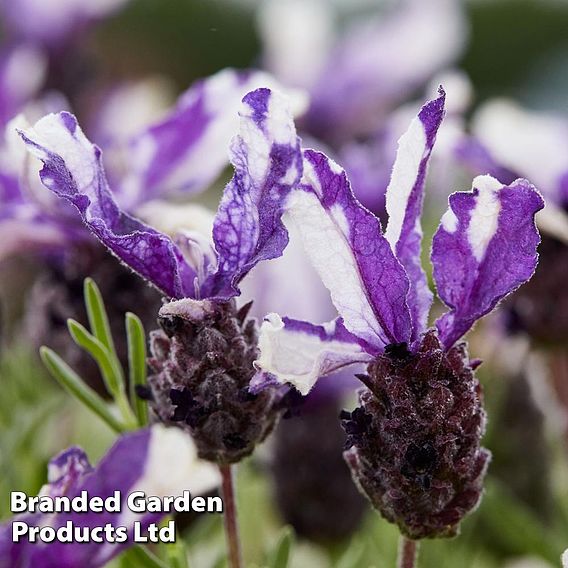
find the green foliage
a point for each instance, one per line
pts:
(98, 342)
(76, 387)
(136, 363)
(280, 556)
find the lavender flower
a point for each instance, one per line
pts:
(415, 439)
(182, 152)
(202, 358)
(139, 461)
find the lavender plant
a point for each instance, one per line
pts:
(202, 357)
(415, 437)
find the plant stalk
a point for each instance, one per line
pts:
(407, 553)
(230, 516)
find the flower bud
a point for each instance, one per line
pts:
(202, 364)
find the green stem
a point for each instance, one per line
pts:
(230, 516)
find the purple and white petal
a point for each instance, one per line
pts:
(484, 249)
(187, 150)
(73, 170)
(158, 461)
(298, 353)
(66, 471)
(28, 221)
(267, 159)
(404, 199)
(345, 244)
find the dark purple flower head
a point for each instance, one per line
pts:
(484, 248)
(139, 461)
(414, 442)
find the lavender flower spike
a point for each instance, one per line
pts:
(140, 461)
(421, 407)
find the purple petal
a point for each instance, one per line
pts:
(484, 249)
(66, 471)
(73, 170)
(187, 150)
(267, 159)
(345, 243)
(298, 352)
(405, 195)
(157, 461)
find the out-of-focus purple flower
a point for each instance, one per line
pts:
(22, 72)
(370, 69)
(485, 247)
(186, 150)
(51, 23)
(140, 461)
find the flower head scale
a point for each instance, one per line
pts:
(484, 248)
(414, 440)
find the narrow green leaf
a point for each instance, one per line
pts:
(280, 556)
(136, 364)
(73, 383)
(112, 374)
(96, 312)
